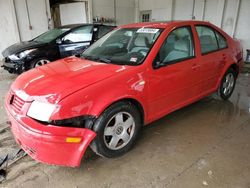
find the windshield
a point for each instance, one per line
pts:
(127, 46)
(50, 35)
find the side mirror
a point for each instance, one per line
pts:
(58, 41)
(158, 63)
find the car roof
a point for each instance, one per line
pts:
(72, 26)
(163, 24)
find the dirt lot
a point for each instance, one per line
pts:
(206, 144)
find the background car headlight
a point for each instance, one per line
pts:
(41, 111)
(20, 55)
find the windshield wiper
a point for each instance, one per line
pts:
(100, 59)
(88, 57)
(104, 60)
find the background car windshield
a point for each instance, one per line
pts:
(127, 46)
(50, 35)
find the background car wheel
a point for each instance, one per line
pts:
(117, 129)
(227, 84)
(39, 62)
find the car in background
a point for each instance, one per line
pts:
(52, 45)
(131, 77)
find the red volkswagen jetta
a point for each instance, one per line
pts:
(132, 76)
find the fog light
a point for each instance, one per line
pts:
(73, 140)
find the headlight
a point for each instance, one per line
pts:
(41, 111)
(20, 55)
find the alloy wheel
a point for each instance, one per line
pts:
(119, 130)
(41, 62)
(228, 84)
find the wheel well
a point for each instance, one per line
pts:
(136, 104)
(235, 68)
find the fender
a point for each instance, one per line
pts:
(94, 99)
(224, 72)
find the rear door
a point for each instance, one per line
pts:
(176, 83)
(214, 54)
(76, 41)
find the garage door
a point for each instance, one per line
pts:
(72, 13)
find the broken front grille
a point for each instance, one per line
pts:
(6, 59)
(16, 103)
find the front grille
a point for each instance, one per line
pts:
(7, 60)
(16, 103)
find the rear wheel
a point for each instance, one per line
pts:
(117, 129)
(227, 84)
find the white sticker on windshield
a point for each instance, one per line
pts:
(133, 59)
(147, 30)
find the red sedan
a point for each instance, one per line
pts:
(132, 76)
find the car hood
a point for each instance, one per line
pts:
(20, 47)
(55, 81)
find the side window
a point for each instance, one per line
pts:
(82, 34)
(221, 40)
(103, 30)
(207, 38)
(178, 46)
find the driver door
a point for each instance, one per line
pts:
(174, 81)
(76, 41)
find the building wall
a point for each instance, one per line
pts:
(125, 11)
(14, 22)
(219, 12)
(182, 10)
(103, 8)
(34, 15)
(122, 11)
(8, 31)
(161, 9)
(243, 25)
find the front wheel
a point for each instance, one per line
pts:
(39, 62)
(227, 84)
(117, 129)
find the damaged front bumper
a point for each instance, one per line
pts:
(51, 144)
(15, 67)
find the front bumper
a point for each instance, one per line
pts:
(13, 66)
(47, 143)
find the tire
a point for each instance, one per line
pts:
(117, 129)
(227, 84)
(39, 62)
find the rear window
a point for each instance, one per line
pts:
(208, 40)
(221, 40)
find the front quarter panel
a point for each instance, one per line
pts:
(93, 100)
(50, 52)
